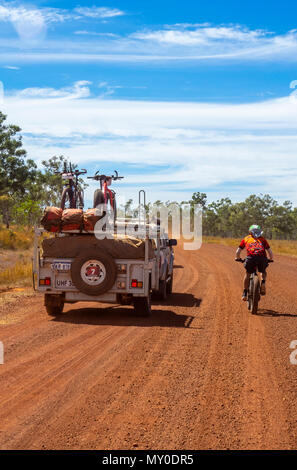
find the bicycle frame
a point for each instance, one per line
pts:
(71, 186)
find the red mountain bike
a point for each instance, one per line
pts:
(104, 195)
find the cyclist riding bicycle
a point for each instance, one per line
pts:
(256, 246)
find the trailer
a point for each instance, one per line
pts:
(75, 266)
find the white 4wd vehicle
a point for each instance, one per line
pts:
(74, 267)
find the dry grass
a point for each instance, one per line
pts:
(20, 273)
(280, 247)
(15, 256)
(16, 238)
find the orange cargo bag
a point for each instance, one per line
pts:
(52, 219)
(91, 216)
(72, 219)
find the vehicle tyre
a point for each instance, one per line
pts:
(163, 289)
(54, 304)
(68, 196)
(169, 285)
(143, 305)
(256, 295)
(93, 273)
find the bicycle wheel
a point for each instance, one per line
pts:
(114, 203)
(68, 200)
(250, 293)
(98, 198)
(256, 295)
(80, 199)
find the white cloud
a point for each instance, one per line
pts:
(201, 35)
(78, 90)
(11, 67)
(178, 44)
(177, 146)
(98, 12)
(95, 33)
(31, 22)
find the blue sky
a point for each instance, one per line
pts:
(178, 96)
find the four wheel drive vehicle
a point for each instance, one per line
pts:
(76, 266)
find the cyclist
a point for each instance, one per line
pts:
(256, 246)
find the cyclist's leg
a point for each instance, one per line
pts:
(250, 268)
(262, 265)
(246, 281)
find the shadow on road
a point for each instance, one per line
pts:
(179, 300)
(272, 313)
(124, 316)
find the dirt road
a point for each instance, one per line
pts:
(201, 373)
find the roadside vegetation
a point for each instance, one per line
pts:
(279, 247)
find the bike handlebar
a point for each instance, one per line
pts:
(99, 177)
(72, 172)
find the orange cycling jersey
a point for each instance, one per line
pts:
(255, 246)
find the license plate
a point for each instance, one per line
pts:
(61, 266)
(64, 284)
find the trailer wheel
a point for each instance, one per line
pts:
(142, 306)
(93, 273)
(54, 304)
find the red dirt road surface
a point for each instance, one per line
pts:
(201, 373)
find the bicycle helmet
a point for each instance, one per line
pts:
(256, 231)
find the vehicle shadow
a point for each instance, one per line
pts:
(178, 266)
(124, 316)
(272, 313)
(178, 300)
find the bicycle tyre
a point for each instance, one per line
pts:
(98, 198)
(80, 199)
(250, 294)
(256, 295)
(68, 194)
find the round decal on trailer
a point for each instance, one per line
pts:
(93, 272)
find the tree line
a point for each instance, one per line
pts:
(25, 190)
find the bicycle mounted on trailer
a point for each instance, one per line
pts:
(256, 246)
(72, 194)
(104, 195)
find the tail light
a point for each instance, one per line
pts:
(135, 283)
(45, 282)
